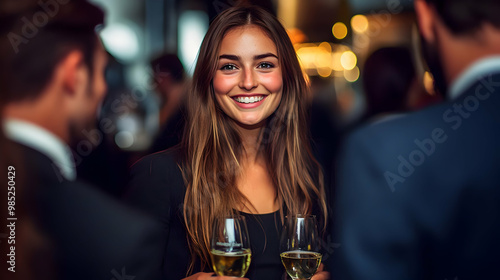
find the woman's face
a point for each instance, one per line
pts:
(248, 82)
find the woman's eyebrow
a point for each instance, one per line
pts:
(256, 57)
(265, 55)
(229, 56)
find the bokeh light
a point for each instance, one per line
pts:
(359, 23)
(124, 139)
(348, 60)
(296, 35)
(326, 46)
(192, 27)
(323, 56)
(339, 30)
(336, 64)
(121, 40)
(324, 71)
(352, 75)
(429, 83)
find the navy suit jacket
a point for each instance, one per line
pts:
(419, 196)
(91, 236)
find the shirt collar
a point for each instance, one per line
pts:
(44, 141)
(471, 75)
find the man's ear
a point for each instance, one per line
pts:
(71, 71)
(425, 19)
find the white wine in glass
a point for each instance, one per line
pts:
(230, 247)
(300, 247)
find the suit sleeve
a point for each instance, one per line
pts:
(373, 223)
(96, 237)
(150, 192)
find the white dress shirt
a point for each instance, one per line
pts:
(43, 141)
(472, 74)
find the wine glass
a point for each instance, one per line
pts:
(230, 246)
(300, 246)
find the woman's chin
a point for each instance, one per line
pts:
(251, 123)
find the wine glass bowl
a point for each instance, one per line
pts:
(300, 246)
(230, 247)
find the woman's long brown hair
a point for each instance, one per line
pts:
(213, 147)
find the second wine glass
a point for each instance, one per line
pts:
(300, 246)
(230, 247)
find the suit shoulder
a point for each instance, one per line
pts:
(156, 184)
(158, 168)
(169, 158)
(396, 129)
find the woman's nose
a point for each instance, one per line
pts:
(248, 80)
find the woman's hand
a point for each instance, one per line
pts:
(320, 274)
(209, 276)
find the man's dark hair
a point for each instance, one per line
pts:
(35, 36)
(387, 77)
(466, 16)
(168, 65)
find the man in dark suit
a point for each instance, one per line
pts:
(419, 196)
(55, 65)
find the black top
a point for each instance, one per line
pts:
(157, 187)
(264, 231)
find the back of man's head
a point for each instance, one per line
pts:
(388, 75)
(467, 16)
(36, 35)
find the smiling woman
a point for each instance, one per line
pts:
(245, 149)
(248, 82)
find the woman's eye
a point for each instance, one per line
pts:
(266, 65)
(228, 67)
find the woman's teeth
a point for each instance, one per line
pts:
(248, 100)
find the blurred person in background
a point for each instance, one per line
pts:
(323, 125)
(169, 78)
(105, 165)
(23, 245)
(388, 77)
(419, 195)
(52, 86)
(391, 85)
(29, 252)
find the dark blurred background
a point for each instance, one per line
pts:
(333, 39)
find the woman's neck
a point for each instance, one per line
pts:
(255, 181)
(251, 139)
